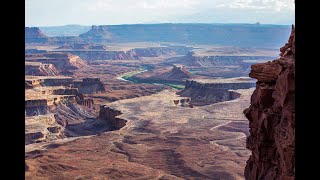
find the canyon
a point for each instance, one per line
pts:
(154, 143)
(156, 101)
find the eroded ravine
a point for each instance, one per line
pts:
(159, 139)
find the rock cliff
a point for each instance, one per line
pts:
(108, 114)
(40, 69)
(158, 51)
(53, 63)
(204, 93)
(272, 117)
(85, 46)
(97, 34)
(89, 85)
(91, 55)
(34, 35)
(178, 73)
(186, 33)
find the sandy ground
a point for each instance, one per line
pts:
(160, 141)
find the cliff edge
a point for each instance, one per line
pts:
(272, 117)
(34, 35)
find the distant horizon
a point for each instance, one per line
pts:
(159, 23)
(42, 13)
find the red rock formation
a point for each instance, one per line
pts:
(208, 93)
(40, 69)
(97, 34)
(272, 117)
(110, 115)
(90, 55)
(177, 72)
(34, 35)
(62, 62)
(85, 46)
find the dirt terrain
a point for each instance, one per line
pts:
(202, 142)
(100, 110)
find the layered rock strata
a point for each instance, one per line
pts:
(272, 117)
(108, 114)
(53, 63)
(91, 55)
(34, 35)
(212, 91)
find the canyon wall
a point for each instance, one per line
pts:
(84, 46)
(89, 86)
(270, 36)
(108, 114)
(52, 63)
(177, 73)
(97, 34)
(42, 128)
(90, 55)
(63, 81)
(63, 60)
(272, 117)
(34, 35)
(40, 69)
(91, 52)
(190, 59)
(265, 36)
(158, 51)
(209, 93)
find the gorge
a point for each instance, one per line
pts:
(159, 101)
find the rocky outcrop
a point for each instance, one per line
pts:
(97, 34)
(33, 137)
(56, 81)
(272, 117)
(91, 52)
(177, 72)
(62, 40)
(40, 69)
(91, 55)
(89, 86)
(68, 91)
(209, 93)
(177, 76)
(65, 60)
(190, 59)
(84, 46)
(34, 35)
(61, 62)
(42, 128)
(108, 114)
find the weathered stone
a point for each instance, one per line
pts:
(272, 118)
(265, 71)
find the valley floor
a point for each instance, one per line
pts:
(160, 141)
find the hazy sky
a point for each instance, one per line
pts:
(104, 12)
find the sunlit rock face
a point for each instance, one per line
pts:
(272, 117)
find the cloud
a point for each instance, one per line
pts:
(161, 4)
(270, 5)
(139, 5)
(49, 12)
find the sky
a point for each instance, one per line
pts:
(110, 12)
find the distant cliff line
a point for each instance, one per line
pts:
(242, 35)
